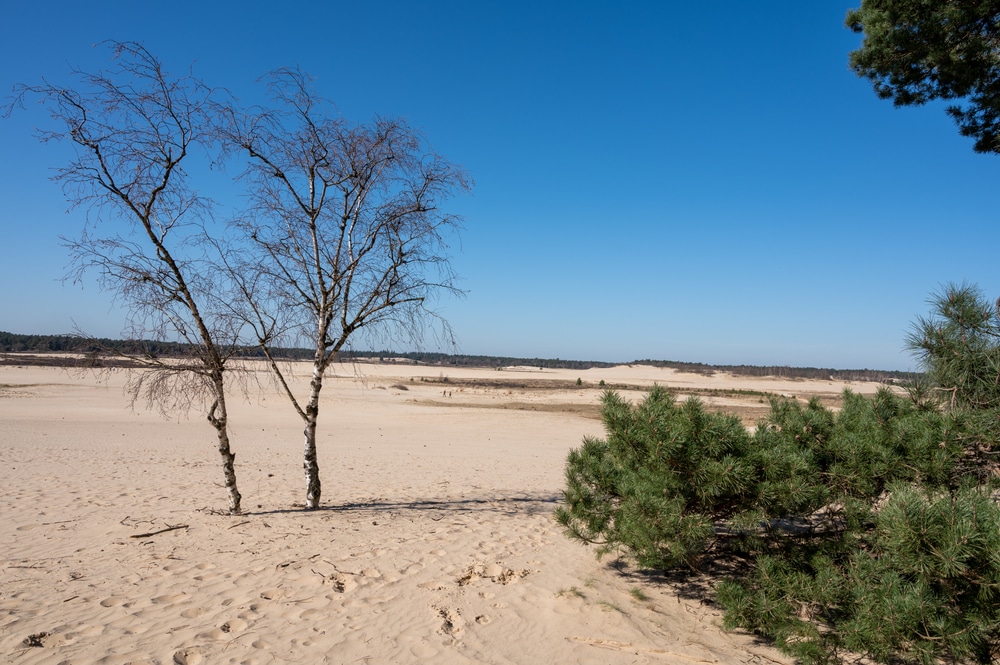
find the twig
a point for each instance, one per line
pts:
(153, 533)
(240, 524)
(345, 572)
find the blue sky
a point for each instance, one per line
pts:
(704, 182)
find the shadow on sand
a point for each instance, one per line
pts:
(521, 503)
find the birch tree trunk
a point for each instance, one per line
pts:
(310, 462)
(311, 465)
(219, 418)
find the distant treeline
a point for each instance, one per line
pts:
(13, 343)
(462, 360)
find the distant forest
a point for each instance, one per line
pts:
(97, 351)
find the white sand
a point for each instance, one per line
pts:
(436, 543)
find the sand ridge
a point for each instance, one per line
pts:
(436, 542)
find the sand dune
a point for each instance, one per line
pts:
(436, 543)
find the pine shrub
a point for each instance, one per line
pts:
(857, 531)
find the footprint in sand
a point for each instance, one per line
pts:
(213, 634)
(313, 614)
(494, 572)
(342, 583)
(234, 626)
(453, 621)
(188, 657)
(270, 594)
(168, 599)
(411, 569)
(424, 652)
(89, 630)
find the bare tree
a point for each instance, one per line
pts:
(346, 231)
(133, 129)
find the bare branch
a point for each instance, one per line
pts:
(133, 127)
(348, 223)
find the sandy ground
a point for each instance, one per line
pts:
(436, 542)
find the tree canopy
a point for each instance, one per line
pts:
(916, 51)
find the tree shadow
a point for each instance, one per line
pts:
(693, 585)
(521, 504)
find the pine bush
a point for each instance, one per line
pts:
(859, 531)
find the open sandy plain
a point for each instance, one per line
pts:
(436, 542)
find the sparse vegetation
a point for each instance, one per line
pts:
(610, 607)
(572, 591)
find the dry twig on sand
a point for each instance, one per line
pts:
(153, 533)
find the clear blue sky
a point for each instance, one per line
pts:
(675, 180)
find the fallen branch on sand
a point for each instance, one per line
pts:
(153, 533)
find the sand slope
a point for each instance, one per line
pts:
(436, 543)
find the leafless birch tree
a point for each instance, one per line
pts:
(133, 129)
(346, 231)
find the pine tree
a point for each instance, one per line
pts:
(872, 530)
